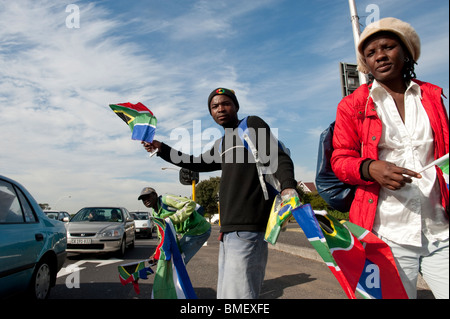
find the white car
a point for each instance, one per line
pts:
(58, 215)
(144, 224)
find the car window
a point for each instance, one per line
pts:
(98, 214)
(10, 211)
(115, 215)
(126, 215)
(52, 215)
(13, 208)
(28, 212)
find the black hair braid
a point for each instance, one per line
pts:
(408, 69)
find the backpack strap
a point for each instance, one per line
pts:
(264, 179)
(259, 165)
(242, 127)
(249, 145)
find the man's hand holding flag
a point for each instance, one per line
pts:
(140, 120)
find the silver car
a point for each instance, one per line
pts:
(101, 230)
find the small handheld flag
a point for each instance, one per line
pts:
(279, 215)
(132, 272)
(442, 163)
(139, 118)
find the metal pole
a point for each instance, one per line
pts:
(193, 190)
(356, 34)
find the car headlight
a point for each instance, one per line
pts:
(110, 233)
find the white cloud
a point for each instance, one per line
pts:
(56, 84)
(55, 90)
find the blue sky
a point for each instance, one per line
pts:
(60, 139)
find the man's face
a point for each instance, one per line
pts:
(149, 200)
(223, 111)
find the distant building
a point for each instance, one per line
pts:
(307, 187)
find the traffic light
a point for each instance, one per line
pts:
(349, 78)
(188, 176)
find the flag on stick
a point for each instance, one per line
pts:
(358, 259)
(171, 278)
(139, 118)
(443, 164)
(132, 272)
(279, 216)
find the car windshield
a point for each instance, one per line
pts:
(98, 214)
(142, 216)
(52, 215)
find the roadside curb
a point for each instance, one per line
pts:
(304, 252)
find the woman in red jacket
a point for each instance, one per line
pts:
(384, 134)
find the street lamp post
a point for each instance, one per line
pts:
(356, 34)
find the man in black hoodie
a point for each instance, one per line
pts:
(244, 207)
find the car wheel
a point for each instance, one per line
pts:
(131, 246)
(123, 246)
(41, 280)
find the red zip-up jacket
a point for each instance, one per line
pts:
(357, 133)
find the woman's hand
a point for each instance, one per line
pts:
(391, 176)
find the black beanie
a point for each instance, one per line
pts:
(220, 91)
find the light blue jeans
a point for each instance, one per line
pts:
(190, 245)
(242, 265)
(431, 261)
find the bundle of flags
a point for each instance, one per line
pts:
(171, 278)
(139, 118)
(279, 216)
(358, 259)
(132, 272)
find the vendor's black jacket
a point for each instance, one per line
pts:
(242, 203)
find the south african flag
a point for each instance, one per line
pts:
(139, 118)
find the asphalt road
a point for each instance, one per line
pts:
(287, 276)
